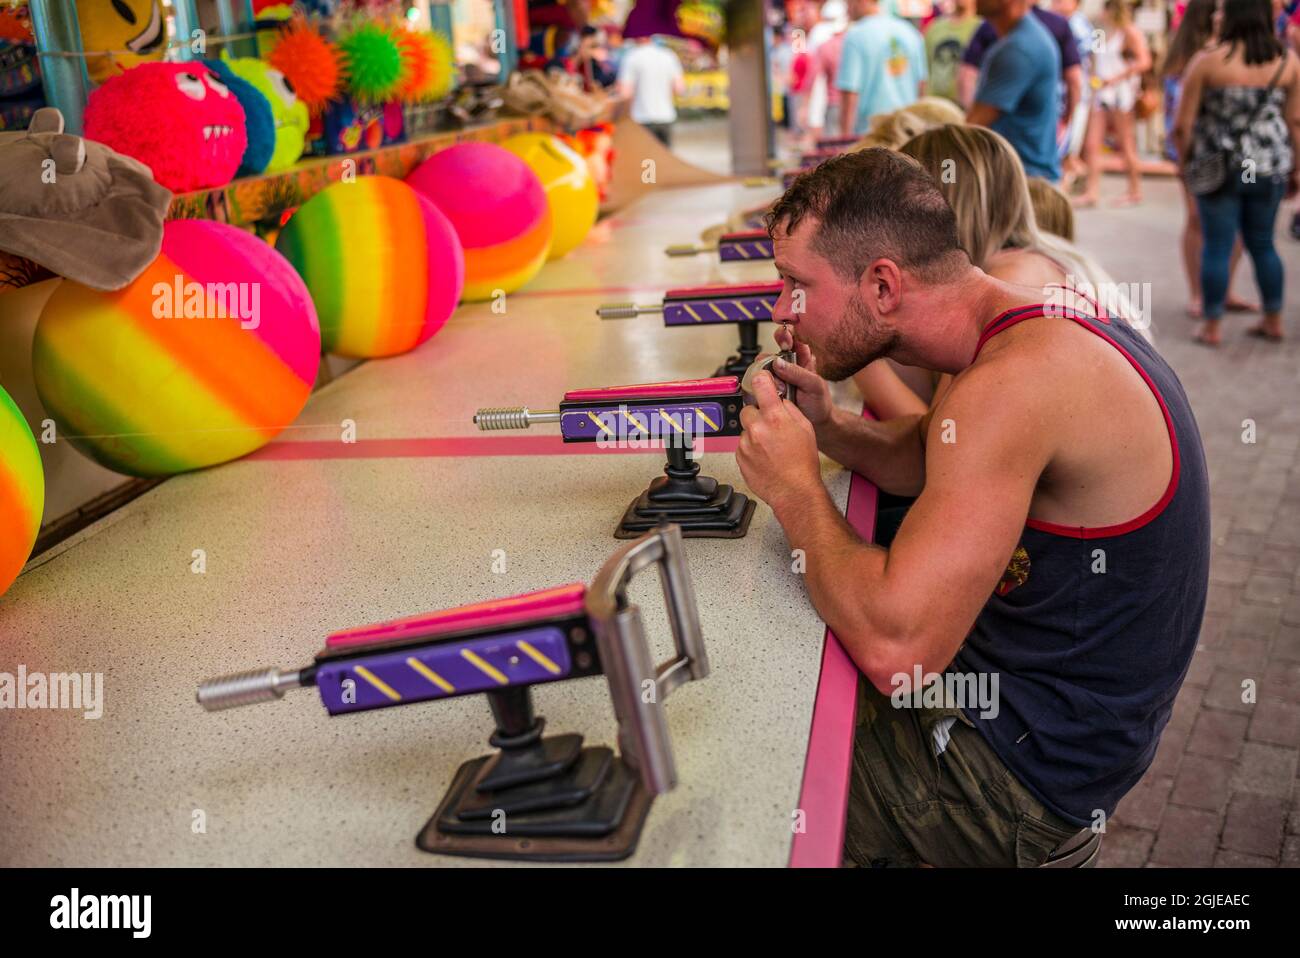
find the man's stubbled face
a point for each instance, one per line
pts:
(825, 309)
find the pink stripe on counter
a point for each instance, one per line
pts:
(825, 792)
(469, 447)
(562, 600)
(718, 386)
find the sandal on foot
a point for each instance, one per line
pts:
(1259, 332)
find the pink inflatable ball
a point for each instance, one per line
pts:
(499, 210)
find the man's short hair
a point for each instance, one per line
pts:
(874, 203)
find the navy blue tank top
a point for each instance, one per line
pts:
(1089, 661)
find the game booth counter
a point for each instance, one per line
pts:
(202, 510)
(256, 562)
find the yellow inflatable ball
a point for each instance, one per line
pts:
(132, 31)
(570, 190)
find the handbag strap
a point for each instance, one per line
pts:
(1263, 101)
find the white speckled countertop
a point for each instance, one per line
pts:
(298, 549)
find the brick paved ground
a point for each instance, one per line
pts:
(1223, 789)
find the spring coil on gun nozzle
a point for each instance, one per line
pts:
(619, 311)
(502, 417)
(245, 688)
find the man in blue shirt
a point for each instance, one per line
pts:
(882, 66)
(1073, 70)
(1018, 94)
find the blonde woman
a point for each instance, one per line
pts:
(1117, 69)
(890, 130)
(1052, 209)
(984, 182)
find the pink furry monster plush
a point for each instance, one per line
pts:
(178, 119)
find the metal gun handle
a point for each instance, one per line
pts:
(764, 364)
(636, 686)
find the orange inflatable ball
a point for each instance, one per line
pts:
(570, 190)
(498, 208)
(22, 491)
(205, 356)
(384, 267)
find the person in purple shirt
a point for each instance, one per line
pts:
(1071, 67)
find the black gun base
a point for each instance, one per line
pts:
(724, 516)
(592, 811)
(702, 506)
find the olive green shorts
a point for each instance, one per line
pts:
(963, 807)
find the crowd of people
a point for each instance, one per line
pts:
(1057, 87)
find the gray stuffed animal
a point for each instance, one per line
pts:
(76, 207)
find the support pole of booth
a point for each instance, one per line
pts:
(440, 21)
(507, 29)
(440, 18)
(235, 17)
(54, 22)
(187, 26)
(752, 137)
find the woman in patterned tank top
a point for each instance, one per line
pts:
(1195, 31)
(1242, 96)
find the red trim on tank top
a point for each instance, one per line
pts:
(1099, 314)
(1009, 318)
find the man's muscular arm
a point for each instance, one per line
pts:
(891, 453)
(915, 602)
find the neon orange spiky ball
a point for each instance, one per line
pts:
(313, 65)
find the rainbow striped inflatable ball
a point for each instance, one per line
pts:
(570, 189)
(499, 209)
(203, 358)
(22, 491)
(384, 267)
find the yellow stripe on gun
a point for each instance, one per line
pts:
(538, 657)
(741, 306)
(377, 682)
(717, 309)
(700, 413)
(694, 315)
(485, 667)
(605, 429)
(431, 675)
(629, 418)
(672, 422)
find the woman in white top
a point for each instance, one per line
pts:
(1120, 57)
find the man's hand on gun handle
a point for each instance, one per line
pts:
(777, 453)
(813, 394)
